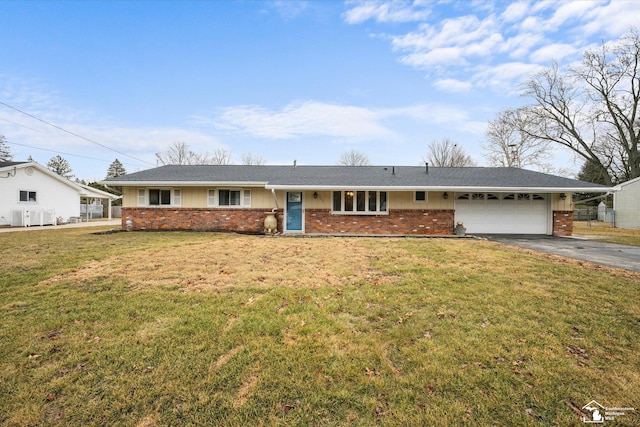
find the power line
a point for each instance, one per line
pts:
(57, 152)
(74, 134)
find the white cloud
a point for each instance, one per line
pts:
(453, 85)
(552, 52)
(614, 18)
(520, 45)
(446, 56)
(303, 119)
(502, 76)
(515, 11)
(385, 11)
(496, 44)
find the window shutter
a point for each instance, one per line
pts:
(211, 198)
(247, 199)
(142, 197)
(177, 197)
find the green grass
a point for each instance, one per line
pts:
(605, 232)
(146, 329)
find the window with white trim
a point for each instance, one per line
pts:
(420, 196)
(223, 197)
(359, 202)
(27, 196)
(159, 197)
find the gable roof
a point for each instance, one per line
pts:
(624, 184)
(83, 190)
(356, 177)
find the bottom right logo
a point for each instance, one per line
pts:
(595, 413)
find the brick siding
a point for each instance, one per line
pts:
(398, 221)
(238, 220)
(321, 221)
(562, 223)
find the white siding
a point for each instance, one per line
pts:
(50, 194)
(626, 204)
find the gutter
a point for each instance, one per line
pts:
(458, 189)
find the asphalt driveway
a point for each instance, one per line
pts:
(609, 254)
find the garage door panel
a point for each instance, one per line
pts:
(509, 214)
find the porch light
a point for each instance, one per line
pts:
(445, 195)
(563, 196)
(315, 194)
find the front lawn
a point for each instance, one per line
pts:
(145, 329)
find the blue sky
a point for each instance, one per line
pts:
(285, 80)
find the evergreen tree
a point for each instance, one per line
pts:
(116, 169)
(60, 166)
(5, 151)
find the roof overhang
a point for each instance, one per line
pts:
(459, 189)
(183, 183)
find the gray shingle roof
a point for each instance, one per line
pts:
(401, 177)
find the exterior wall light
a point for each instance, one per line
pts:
(315, 194)
(563, 196)
(445, 195)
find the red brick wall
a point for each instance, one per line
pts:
(398, 221)
(562, 223)
(239, 220)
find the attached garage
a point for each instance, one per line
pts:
(504, 213)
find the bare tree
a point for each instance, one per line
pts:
(447, 153)
(593, 108)
(509, 142)
(179, 153)
(221, 156)
(248, 158)
(353, 157)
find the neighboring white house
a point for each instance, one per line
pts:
(626, 204)
(31, 194)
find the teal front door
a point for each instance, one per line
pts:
(294, 211)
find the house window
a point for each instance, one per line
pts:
(420, 196)
(230, 198)
(159, 197)
(359, 202)
(27, 196)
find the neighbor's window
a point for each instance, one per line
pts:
(420, 196)
(359, 202)
(27, 196)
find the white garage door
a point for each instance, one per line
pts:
(503, 213)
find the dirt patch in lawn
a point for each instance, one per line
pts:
(237, 262)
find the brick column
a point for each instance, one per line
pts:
(562, 223)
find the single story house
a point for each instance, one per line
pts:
(377, 200)
(31, 194)
(626, 204)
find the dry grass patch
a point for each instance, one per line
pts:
(243, 262)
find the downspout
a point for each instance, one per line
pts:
(275, 198)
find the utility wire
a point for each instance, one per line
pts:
(57, 152)
(74, 134)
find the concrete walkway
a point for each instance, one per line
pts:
(115, 223)
(595, 251)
